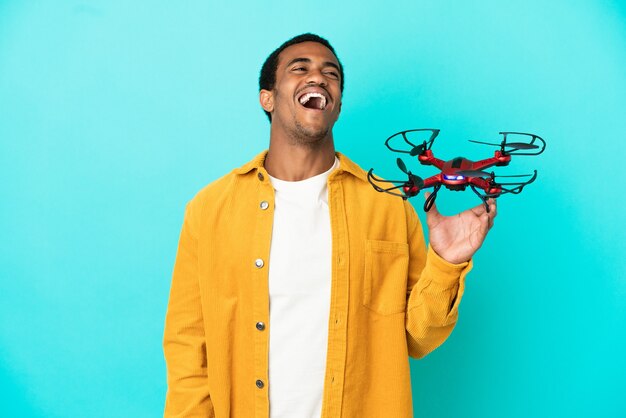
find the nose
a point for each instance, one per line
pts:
(316, 77)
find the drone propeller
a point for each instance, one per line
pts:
(409, 187)
(413, 179)
(517, 175)
(418, 149)
(415, 149)
(517, 145)
(474, 173)
(513, 148)
(480, 173)
(402, 166)
(519, 185)
(516, 189)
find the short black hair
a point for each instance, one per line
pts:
(267, 78)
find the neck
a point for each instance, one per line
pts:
(295, 161)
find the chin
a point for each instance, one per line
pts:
(310, 133)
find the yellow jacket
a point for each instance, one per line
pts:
(390, 298)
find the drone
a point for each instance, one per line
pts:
(458, 173)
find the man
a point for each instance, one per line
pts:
(298, 290)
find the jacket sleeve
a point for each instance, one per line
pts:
(184, 342)
(434, 291)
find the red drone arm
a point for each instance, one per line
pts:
(432, 181)
(427, 158)
(498, 159)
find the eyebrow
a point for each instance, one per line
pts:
(308, 61)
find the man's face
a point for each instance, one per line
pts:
(306, 98)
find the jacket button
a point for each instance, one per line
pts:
(259, 263)
(261, 176)
(264, 205)
(260, 326)
(260, 384)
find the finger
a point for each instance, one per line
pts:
(485, 224)
(492, 211)
(494, 207)
(479, 210)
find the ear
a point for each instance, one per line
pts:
(266, 98)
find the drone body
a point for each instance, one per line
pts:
(458, 173)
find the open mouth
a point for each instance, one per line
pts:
(313, 100)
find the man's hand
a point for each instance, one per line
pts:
(456, 238)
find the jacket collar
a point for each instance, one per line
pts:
(345, 164)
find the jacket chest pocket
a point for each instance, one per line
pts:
(386, 271)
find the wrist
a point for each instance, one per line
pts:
(450, 256)
(447, 273)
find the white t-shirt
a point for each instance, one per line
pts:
(299, 287)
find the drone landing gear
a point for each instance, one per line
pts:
(430, 200)
(482, 197)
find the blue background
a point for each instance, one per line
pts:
(114, 113)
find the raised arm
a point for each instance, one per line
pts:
(434, 291)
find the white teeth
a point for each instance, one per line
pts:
(306, 97)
